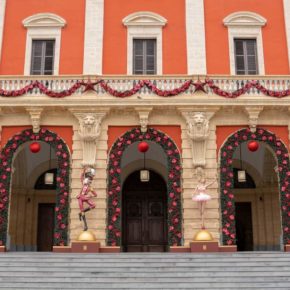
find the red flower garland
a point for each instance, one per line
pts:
(173, 186)
(226, 180)
(62, 202)
(162, 93)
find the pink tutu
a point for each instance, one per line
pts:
(201, 197)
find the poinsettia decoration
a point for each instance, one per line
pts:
(199, 86)
(62, 191)
(174, 215)
(227, 182)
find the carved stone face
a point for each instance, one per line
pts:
(89, 120)
(199, 118)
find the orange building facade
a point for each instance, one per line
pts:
(204, 84)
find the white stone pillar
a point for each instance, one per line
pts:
(2, 18)
(287, 25)
(94, 30)
(195, 37)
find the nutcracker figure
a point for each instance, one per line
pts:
(86, 194)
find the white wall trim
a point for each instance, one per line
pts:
(144, 25)
(195, 37)
(43, 26)
(94, 30)
(287, 25)
(245, 25)
(2, 19)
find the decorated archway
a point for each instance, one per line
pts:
(174, 214)
(63, 172)
(226, 180)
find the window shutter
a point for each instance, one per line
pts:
(42, 57)
(144, 54)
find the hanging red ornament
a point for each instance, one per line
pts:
(253, 146)
(35, 147)
(143, 147)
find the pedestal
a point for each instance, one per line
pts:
(204, 246)
(85, 247)
(2, 249)
(287, 248)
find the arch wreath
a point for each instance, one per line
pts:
(226, 180)
(173, 186)
(63, 158)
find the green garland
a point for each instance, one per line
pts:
(63, 172)
(173, 186)
(226, 182)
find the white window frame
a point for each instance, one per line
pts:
(245, 25)
(144, 25)
(43, 26)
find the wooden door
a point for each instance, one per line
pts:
(45, 227)
(244, 226)
(144, 215)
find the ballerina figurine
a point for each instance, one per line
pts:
(202, 197)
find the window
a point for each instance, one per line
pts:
(144, 56)
(43, 42)
(42, 58)
(246, 42)
(146, 27)
(246, 56)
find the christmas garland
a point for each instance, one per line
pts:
(226, 182)
(114, 184)
(62, 191)
(198, 86)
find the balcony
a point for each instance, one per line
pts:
(144, 90)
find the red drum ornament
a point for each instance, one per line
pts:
(143, 147)
(253, 146)
(34, 147)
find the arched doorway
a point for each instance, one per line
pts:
(264, 201)
(144, 206)
(171, 172)
(19, 167)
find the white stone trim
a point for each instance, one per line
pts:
(245, 25)
(287, 25)
(195, 37)
(2, 18)
(94, 30)
(144, 25)
(43, 26)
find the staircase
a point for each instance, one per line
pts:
(255, 270)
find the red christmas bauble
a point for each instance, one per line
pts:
(143, 147)
(253, 146)
(35, 147)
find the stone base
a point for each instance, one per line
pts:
(2, 249)
(287, 248)
(228, 249)
(61, 249)
(204, 246)
(85, 247)
(110, 249)
(179, 249)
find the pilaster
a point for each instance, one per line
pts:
(2, 19)
(94, 30)
(195, 37)
(287, 25)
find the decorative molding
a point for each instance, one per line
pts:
(253, 113)
(94, 32)
(197, 123)
(244, 18)
(287, 25)
(89, 131)
(43, 26)
(2, 19)
(144, 18)
(144, 25)
(144, 118)
(35, 116)
(245, 25)
(44, 20)
(195, 37)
